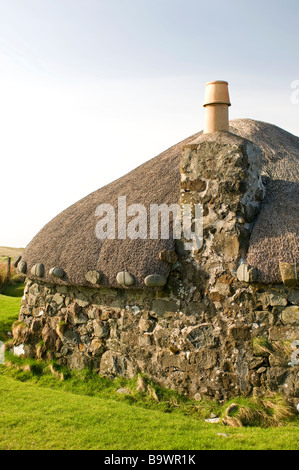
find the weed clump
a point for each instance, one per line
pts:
(263, 412)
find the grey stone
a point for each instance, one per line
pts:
(147, 323)
(288, 274)
(125, 279)
(212, 420)
(22, 267)
(93, 277)
(204, 359)
(261, 370)
(62, 290)
(169, 256)
(155, 280)
(290, 315)
(293, 297)
(96, 347)
(57, 272)
(58, 299)
(80, 319)
(201, 336)
(101, 329)
(115, 364)
(161, 306)
(263, 316)
(276, 299)
(246, 273)
(38, 270)
(123, 391)
(77, 360)
(71, 337)
(16, 261)
(284, 333)
(221, 288)
(197, 397)
(82, 300)
(239, 332)
(256, 363)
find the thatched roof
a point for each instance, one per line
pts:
(69, 240)
(275, 235)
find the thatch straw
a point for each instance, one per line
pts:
(69, 240)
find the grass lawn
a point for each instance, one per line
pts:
(10, 303)
(84, 411)
(33, 417)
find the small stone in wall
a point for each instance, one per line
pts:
(246, 273)
(161, 306)
(101, 329)
(16, 261)
(38, 270)
(197, 185)
(93, 277)
(290, 315)
(155, 280)
(83, 300)
(275, 299)
(22, 267)
(293, 297)
(58, 299)
(288, 274)
(216, 297)
(96, 347)
(169, 256)
(57, 272)
(174, 349)
(222, 289)
(239, 332)
(125, 279)
(201, 336)
(261, 370)
(115, 364)
(19, 350)
(284, 333)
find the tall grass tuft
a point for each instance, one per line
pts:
(5, 277)
(258, 411)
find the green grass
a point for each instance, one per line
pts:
(35, 417)
(84, 411)
(10, 303)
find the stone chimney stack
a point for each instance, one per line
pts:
(216, 105)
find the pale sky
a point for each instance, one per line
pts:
(90, 89)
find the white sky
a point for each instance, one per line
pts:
(90, 89)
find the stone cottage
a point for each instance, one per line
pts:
(215, 320)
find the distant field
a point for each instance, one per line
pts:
(9, 251)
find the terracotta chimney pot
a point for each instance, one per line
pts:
(216, 105)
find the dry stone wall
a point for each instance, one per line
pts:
(192, 345)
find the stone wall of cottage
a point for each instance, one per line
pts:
(246, 347)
